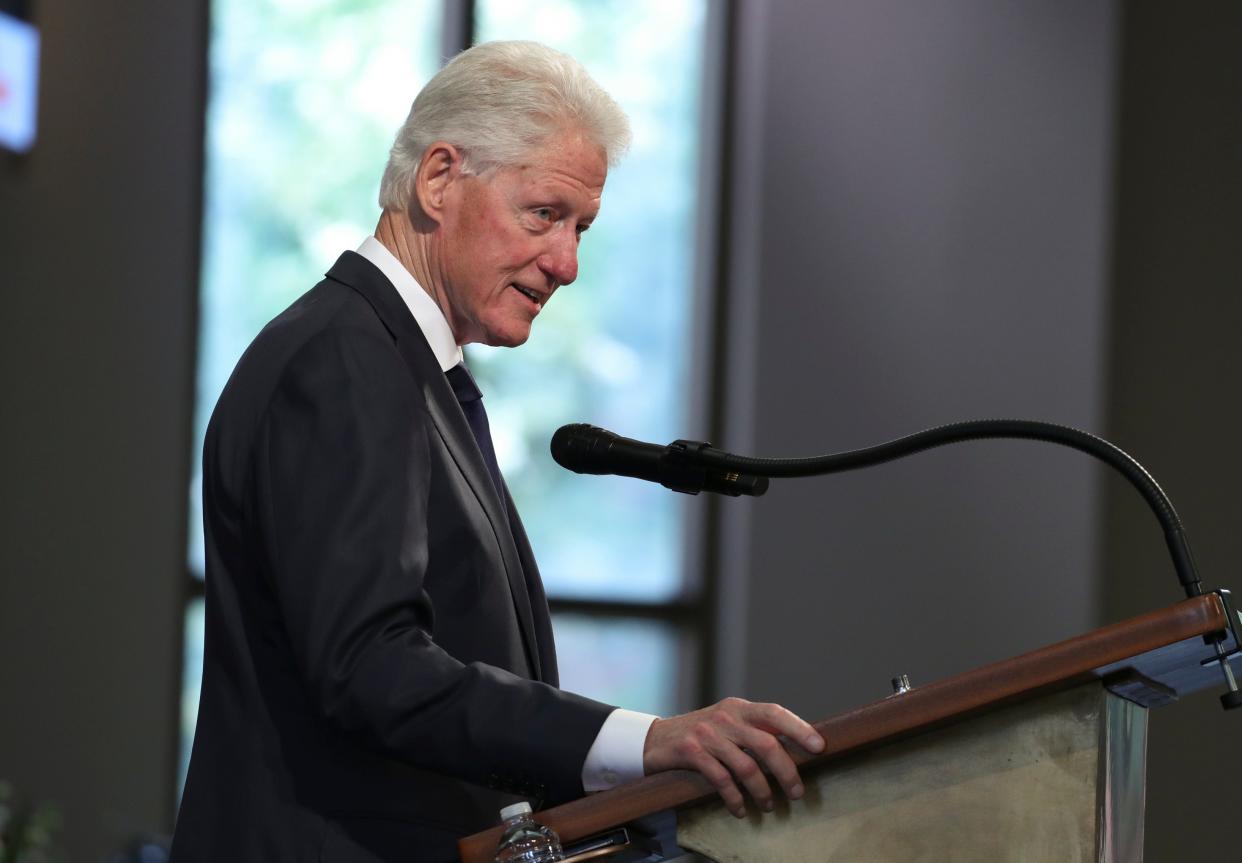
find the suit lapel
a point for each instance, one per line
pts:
(357, 272)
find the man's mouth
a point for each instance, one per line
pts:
(529, 294)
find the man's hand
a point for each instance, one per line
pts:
(732, 742)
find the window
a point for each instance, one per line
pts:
(305, 99)
(612, 349)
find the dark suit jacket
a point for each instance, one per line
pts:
(378, 666)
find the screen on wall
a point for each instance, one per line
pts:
(19, 75)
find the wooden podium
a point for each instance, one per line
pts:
(1036, 758)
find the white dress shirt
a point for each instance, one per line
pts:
(616, 756)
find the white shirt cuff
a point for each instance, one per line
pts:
(616, 756)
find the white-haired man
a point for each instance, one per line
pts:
(379, 674)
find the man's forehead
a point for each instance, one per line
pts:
(580, 173)
(569, 152)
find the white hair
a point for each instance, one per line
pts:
(496, 102)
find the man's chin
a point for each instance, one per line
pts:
(508, 338)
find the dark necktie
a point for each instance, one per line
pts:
(471, 400)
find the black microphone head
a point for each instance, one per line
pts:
(573, 445)
(589, 449)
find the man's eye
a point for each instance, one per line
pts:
(544, 214)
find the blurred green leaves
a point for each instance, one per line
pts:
(613, 348)
(304, 100)
(27, 832)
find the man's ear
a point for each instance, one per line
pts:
(439, 168)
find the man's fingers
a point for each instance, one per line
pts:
(692, 741)
(720, 777)
(778, 720)
(772, 755)
(746, 771)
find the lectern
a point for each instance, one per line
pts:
(1036, 758)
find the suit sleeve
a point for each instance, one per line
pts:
(341, 474)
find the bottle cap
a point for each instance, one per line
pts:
(516, 809)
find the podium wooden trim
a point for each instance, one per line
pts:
(1058, 666)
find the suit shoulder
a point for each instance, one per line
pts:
(327, 306)
(327, 312)
(328, 332)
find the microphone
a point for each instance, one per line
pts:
(679, 466)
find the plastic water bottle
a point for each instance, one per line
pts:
(525, 840)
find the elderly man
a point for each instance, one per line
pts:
(379, 674)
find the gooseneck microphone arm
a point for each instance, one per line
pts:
(1114, 456)
(581, 448)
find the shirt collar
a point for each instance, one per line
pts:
(426, 313)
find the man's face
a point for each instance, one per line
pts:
(511, 238)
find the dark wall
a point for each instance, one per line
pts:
(1175, 361)
(98, 230)
(972, 209)
(922, 237)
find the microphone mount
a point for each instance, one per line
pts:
(687, 471)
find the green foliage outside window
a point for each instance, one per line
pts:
(304, 100)
(613, 348)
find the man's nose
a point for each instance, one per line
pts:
(559, 261)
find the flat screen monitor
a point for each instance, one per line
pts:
(19, 82)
